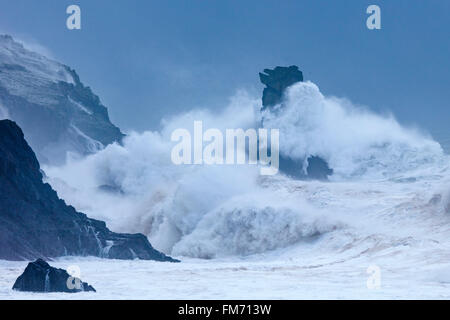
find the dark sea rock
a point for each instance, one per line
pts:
(36, 223)
(277, 80)
(39, 276)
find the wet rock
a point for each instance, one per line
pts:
(39, 276)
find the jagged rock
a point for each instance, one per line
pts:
(35, 223)
(57, 113)
(277, 81)
(39, 276)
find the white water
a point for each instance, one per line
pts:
(28, 71)
(388, 204)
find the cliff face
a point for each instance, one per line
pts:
(57, 113)
(35, 223)
(277, 80)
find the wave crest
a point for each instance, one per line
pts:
(354, 141)
(210, 211)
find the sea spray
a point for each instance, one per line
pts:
(198, 210)
(355, 142)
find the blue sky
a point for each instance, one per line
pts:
(150, 59)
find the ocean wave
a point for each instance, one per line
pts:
(353, 140)
(253, 224)
(209, 211)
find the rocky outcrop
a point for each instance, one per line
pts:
(35, 223)
(39, 276)
(277, 80)
(57, 113)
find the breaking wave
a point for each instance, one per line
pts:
(214, 211)
(4, 114)
(253, 224)
(354, 141)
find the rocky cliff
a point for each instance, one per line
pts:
(35, 223)
(57, 113)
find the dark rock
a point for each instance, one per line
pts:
(277, 81)
(39, 276)
(35, 223)
(317, 168)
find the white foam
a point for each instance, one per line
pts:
(4, 113)
(353, 140)
(214, 211)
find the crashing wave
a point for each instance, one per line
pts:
(354, 141)
(210, 211)
(250, 225)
